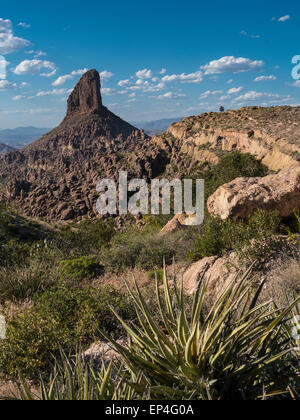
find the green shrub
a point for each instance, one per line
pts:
(80, 268)
(79, 240)
(144, 249)
(23, 282)
(254, 239)
(230, 166)
(63, 317)
(153, 274)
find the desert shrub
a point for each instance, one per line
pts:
(230, 166)
(152, 274)
(13, 226)
(14, 253)
(238, 350)
(143, 249)
(294, 234)
(62, 318)
(20, 283)
(80, 268)
(254, 239)
(79, 240)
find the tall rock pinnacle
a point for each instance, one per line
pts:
(86, 96)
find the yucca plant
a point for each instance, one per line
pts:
(73, 379)
(235, 350)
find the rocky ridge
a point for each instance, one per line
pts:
(270, 134)
(55, 177)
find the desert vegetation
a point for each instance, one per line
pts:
(62, 289)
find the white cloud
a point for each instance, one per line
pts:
(163, 71)
(230, 81)
(123, 83)
(265, 78)
(235, 90)
(18, 97)
(5, 85)
(108, 91)
(36, 54)
(24, 25)
(232, 64)
(35, 67)
(144, 74)
(53, 92)
(196, 77)
(244, 33)
(297, 84)
(253, 96)
(284, 18)
(171, 95)
(104, 75)
(143, 85)
(61, 80)
(208, 93)
(8, 42)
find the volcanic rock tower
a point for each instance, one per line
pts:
(56, 176)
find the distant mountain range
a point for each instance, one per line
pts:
(17, 138)
(21, 136)
(155, 127)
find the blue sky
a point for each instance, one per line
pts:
(158, 59)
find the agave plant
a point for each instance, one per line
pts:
(235, 350)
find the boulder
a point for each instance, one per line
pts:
(243, 196)
(177, 223)
(218, 272)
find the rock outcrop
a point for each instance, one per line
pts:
(86, 97)
(243, 196)
(55, 177)
(219, 271)
(270, 134)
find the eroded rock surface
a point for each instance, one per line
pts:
(243, 196)
(56, 177)
(270, 134)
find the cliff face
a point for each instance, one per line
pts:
(56, 176)
(271, 134)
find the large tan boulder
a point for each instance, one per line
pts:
(244, 196)
(217, 272)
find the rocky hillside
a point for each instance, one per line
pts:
(56, 176)
(271, 134)
(4, 148)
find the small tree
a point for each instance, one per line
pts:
(222, 109)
